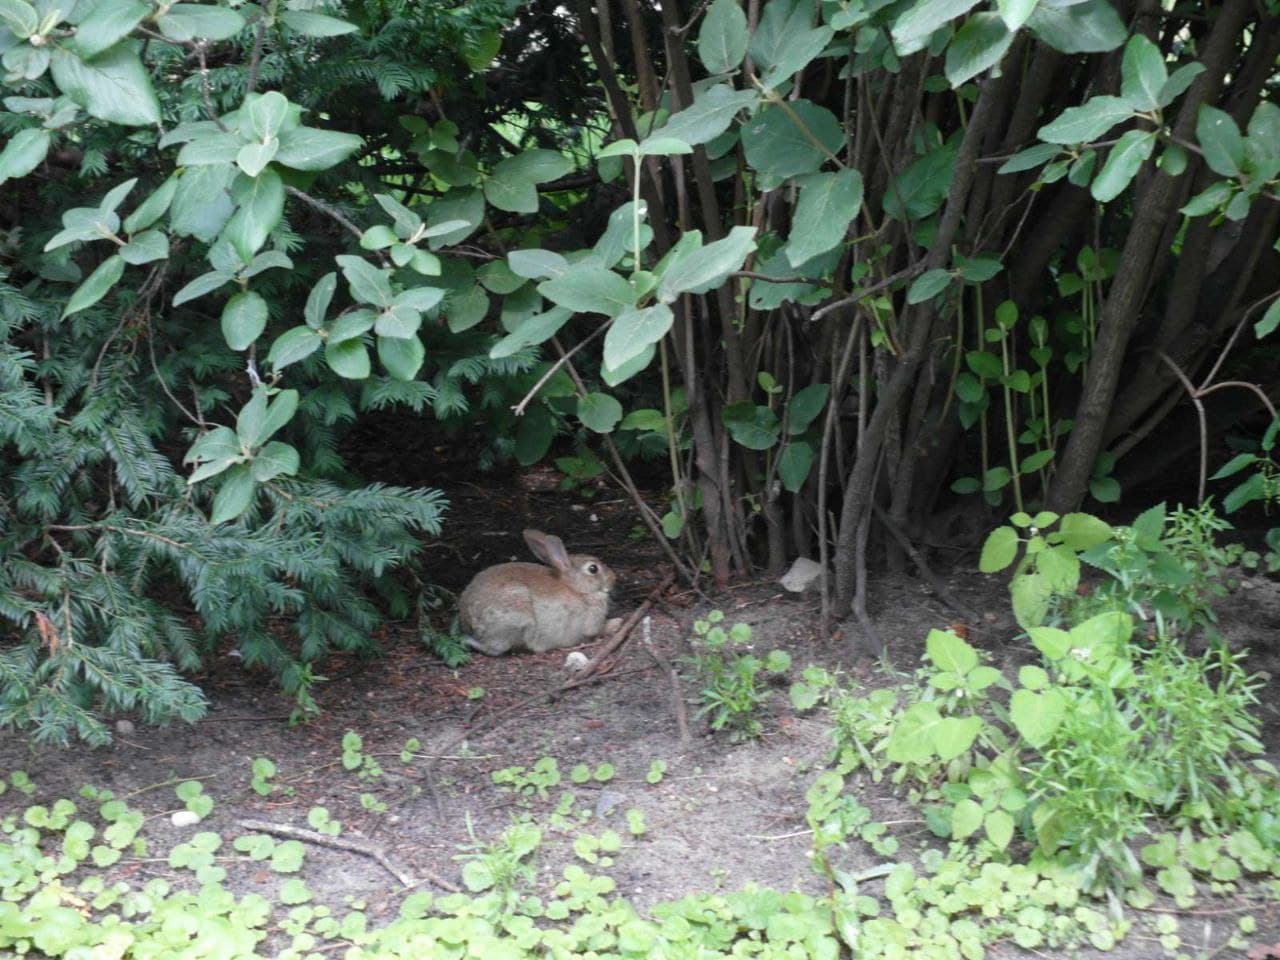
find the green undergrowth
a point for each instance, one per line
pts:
(1112, 790)
(89, 879)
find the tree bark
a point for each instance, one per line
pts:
(1123, 305)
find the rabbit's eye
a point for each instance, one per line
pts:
(592, 568)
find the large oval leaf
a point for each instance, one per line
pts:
(114, 87)
(243, 319)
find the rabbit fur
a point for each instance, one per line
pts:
(528, 606)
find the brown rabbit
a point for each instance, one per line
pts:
(527, 606)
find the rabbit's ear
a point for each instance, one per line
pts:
(548, 548)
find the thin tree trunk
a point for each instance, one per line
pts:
(1124, 300)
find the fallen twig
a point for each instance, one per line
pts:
(922, 567)
(349, 845)
(678, 706)
(620, 635)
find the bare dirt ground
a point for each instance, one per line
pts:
(722, 816)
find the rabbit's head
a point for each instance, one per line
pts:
(581, 573)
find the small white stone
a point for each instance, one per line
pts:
(124, 727)
(576, 662)
(803, 575)
(184, 818)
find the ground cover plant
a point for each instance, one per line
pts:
(829, 278)
(1109, 792)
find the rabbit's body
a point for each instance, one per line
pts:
(527, 606)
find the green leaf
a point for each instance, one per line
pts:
(1142, 73)
(966, 818)
(710, 113)
(263, 117)
(202, 207)
(146, 247)
(794, 465)
(496, 277)
(999, 827)
(464, 310)
(253, 158)
(205, 283)
(261, 206)
(1270, 320)
(24, 152)
(351, 325)
(152, 208)
(189, 21)
(107, 23)
(1178, 82)
(751, 426)
(920, 189)
(293, 345)
(115, 87)
(928, 285)
(211, 148)
(402, 357)
(1015, 12)
(1030, 596)
(243, 319)
(235, 496)
(633, 330)
(977, 46)
(1083, 531)
(22, 19)
(805, 406)
(1060, 568)
(999, 550)
(1037, 716)
(1123, 163)
(216, 451)
(318, 300)
(348, 359)
(722, 40)
(512, 184)
(1089, 27)
(912, 29)
(1209, 200)
(950, 653)
(316, 24)
(1220, 139)
(616, 375)
(979, 269)
(780, 142)
(599, 412)
(275, 459)
(533, 437)
(537, 264)
(1035, 461)
(662, 146)
(828, 203)
(799, 47)
(619, 148)
(463, 206)
(589, 288)
(96, 286)
(1030, 158)
(398, 321)
(309, 148)
(1086, 122)
(700, 269)
(534, 330)
(369, 284)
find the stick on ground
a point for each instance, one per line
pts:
(347, 844)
